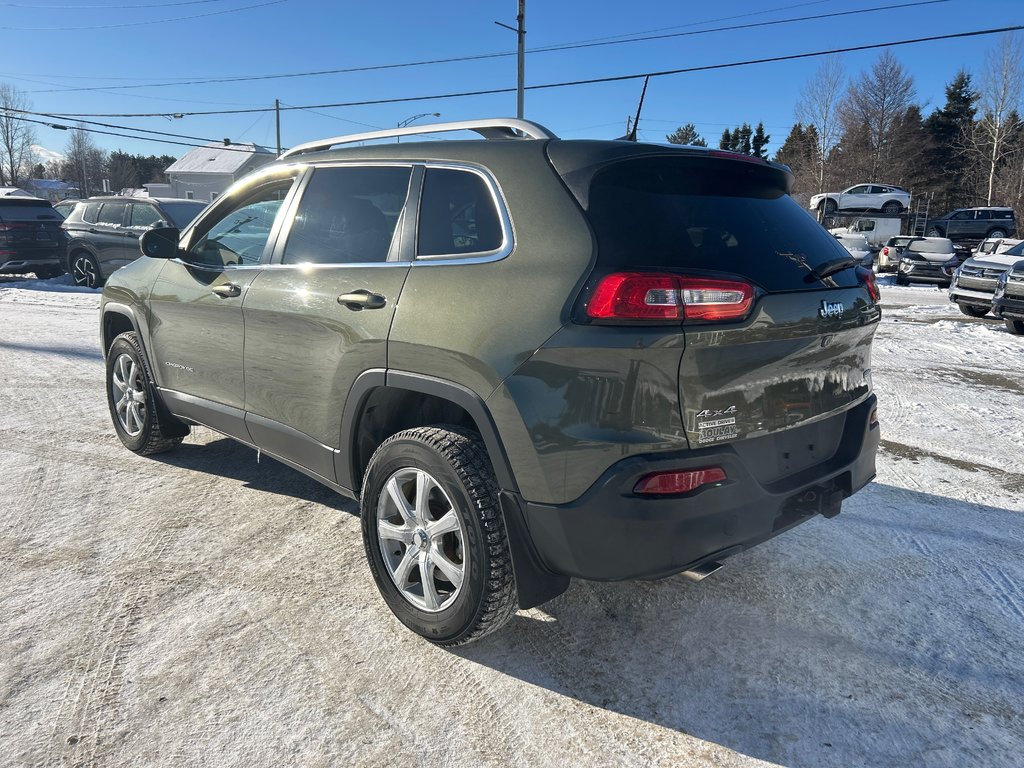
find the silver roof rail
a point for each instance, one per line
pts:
(492, 128)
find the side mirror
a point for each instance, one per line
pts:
(160, 243)
(161, 224)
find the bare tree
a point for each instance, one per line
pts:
(16, 137)
(818, 105)
(875, 104)
(992, 140)
(83, 161)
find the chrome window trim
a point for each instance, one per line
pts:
(500, 204)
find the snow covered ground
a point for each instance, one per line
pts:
(199, 608)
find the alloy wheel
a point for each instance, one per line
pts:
(84, 272)
(422, 539)
(128, 387)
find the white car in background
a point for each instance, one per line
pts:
(858, 247)
(886, 198)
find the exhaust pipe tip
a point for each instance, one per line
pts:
(702, 571)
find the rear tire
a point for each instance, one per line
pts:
(995, 233)
(892, 207)
(934, 232)
(140, 420)
(972, 311)
(434, 535)
(1016, 327)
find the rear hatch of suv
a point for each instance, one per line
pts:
(777, 318)
(29, 231)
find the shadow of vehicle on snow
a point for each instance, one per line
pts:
(890, 636)
(227, 458)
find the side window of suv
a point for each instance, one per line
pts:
(984, 215)
(962, 216)
(91, 212)
(457, 215)
(240, 235)
(112, 214)
(144, 215)
(348, 215)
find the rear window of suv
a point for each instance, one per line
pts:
(708, 214)
(28, 213)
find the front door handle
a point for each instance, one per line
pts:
(227, 290)
(358, 300)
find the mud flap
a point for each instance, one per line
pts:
(534, 582)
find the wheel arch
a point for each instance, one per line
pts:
(383, 402)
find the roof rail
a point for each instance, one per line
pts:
(491, 128)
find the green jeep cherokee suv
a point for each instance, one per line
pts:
(529, 359)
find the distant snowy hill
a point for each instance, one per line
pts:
(45, 155)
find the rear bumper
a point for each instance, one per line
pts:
(610, 533)
(18, 265)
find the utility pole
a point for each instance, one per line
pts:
(277, 112)
(520, 30)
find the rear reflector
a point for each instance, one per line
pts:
(873, 418)
(667, 483)
(656, 296)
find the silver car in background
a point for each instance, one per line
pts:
(886, 198)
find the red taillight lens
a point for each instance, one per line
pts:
(885, 251)
(667, 483)
(652, 296)
(867, 279)
(636, 296)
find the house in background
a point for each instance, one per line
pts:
(205, 172)
(52, 190)
(13, 192)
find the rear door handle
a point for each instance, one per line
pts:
(362, 299)
(227, 290)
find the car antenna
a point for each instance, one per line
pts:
(631, 132)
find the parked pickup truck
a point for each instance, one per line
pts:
(876, 230)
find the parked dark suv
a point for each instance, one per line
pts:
(104, 232)
(529, 359)
(973, 224)
(31, 239)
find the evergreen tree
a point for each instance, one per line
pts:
(686, 134)
(726, 142)
(741, 138)
(948, 130)
(759, 141)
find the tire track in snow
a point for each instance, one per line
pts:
(1007, 591)
(88, 708)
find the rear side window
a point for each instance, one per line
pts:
(112, 213)
(1002, 214)
(348, 215)
(457, 215)
(985, 215)
(91, 212)
(707, 214)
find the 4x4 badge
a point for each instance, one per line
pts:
(830, 309)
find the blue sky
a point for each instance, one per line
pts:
(51, 46)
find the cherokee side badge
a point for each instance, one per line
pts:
(830, 309)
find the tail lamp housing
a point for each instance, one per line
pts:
(656, 296)
(678, 481)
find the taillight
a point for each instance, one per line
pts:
(867, 279)
(667, 483)
(657, 296)
(885, 251)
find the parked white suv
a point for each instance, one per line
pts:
(886, 198)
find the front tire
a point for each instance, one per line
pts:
(971, 311)
(434, 535)
(1016, 327)
(828, 206)
(901, 279)
(140, 421)
(86, 271)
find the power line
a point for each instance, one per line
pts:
(483, 56)
(142, 23)
(573, 83)
(61, 127)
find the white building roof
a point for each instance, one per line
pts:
(13, 192)
(216, 158)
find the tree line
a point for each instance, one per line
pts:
(83, 163)
(870, 127)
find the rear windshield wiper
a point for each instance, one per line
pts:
(822, 271)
